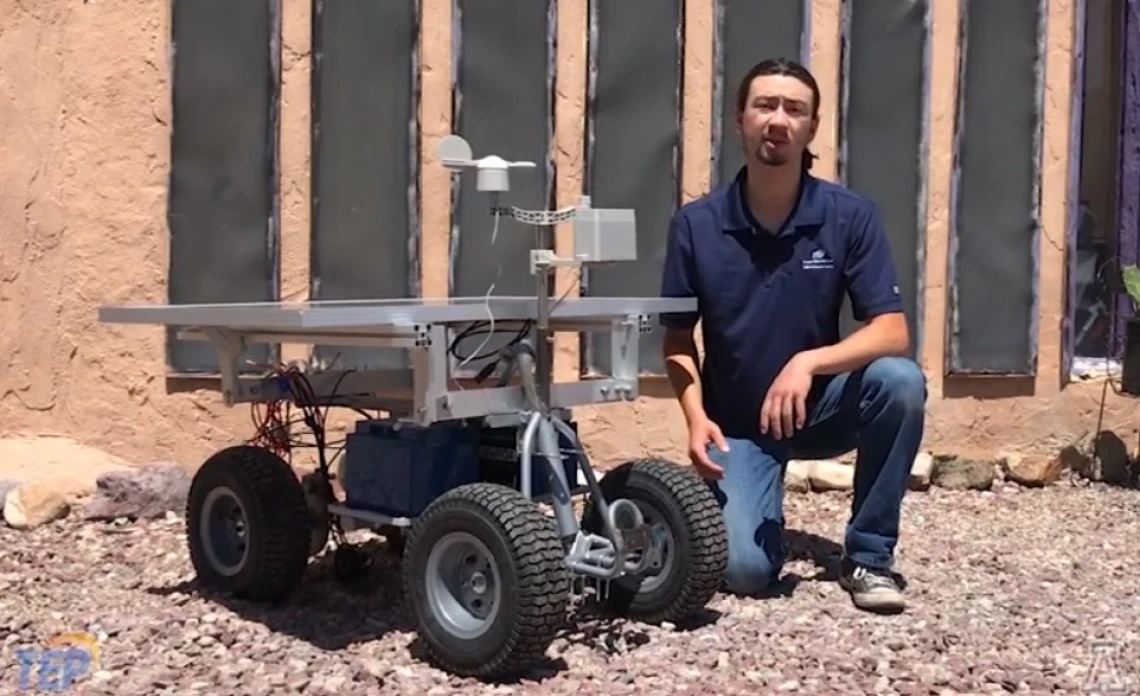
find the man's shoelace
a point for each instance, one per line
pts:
(873, 580)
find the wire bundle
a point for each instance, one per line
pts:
(272, 427)
(480, 328)
(274, 420)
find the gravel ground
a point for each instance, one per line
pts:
(1009, 591)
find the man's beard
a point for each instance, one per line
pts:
(770, 157)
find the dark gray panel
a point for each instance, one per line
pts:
(1128, 206)
(747, 32)
(504, 106)
(993, 236)
(222, 205)
(633, 146)
(365, 237)
(1098, 164)
(883, 131)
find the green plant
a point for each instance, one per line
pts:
(1131, 278)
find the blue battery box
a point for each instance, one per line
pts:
(397, 469)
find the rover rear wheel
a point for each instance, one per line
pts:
(248, 524)
(680, 504)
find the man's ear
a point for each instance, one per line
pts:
(814, 128)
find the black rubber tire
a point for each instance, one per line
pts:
(277, 523)
(536, 584)
(689, 508)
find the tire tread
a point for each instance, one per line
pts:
(543, 580)
(275, 504)
(704, 533)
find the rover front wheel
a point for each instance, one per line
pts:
(486, 579)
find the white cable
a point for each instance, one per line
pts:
(487, 297)
(532, 217)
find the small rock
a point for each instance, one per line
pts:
(102, 676)
(830, 475)
(1032, 471)
(797, 477)
(149, 492)
(952, 472)
(373, 668)
(920, 472)
(334, 684)
(7, 485)
(34, 504)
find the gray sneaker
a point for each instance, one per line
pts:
(871, 589)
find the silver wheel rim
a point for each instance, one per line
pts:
(652, 580)
(225, 531)
(464, 587)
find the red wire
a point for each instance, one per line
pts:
(271, 423)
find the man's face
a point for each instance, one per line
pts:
(777, 123)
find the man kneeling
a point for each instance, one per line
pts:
(769, 259)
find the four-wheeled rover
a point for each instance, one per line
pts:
(474, 478)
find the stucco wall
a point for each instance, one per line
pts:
(84, 143)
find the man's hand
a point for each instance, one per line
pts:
(701, 433)
(785, 407)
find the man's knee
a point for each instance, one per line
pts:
(899, 381)
(751, 497)
(750, 573)
(755, 556)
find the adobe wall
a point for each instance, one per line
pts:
(84, 143)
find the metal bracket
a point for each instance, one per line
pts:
(542, 259)
(624, 351)
(230, 346)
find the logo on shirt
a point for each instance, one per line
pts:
(818, 261)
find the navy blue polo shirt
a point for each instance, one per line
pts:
(764, 296)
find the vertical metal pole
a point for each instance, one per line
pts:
(526, 452)
(557, 483)
(543, 350)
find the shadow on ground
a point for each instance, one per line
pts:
(323, 611)
(820, 551)
(331, 615)
(1110, 463)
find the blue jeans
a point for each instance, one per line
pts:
(878, 410)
